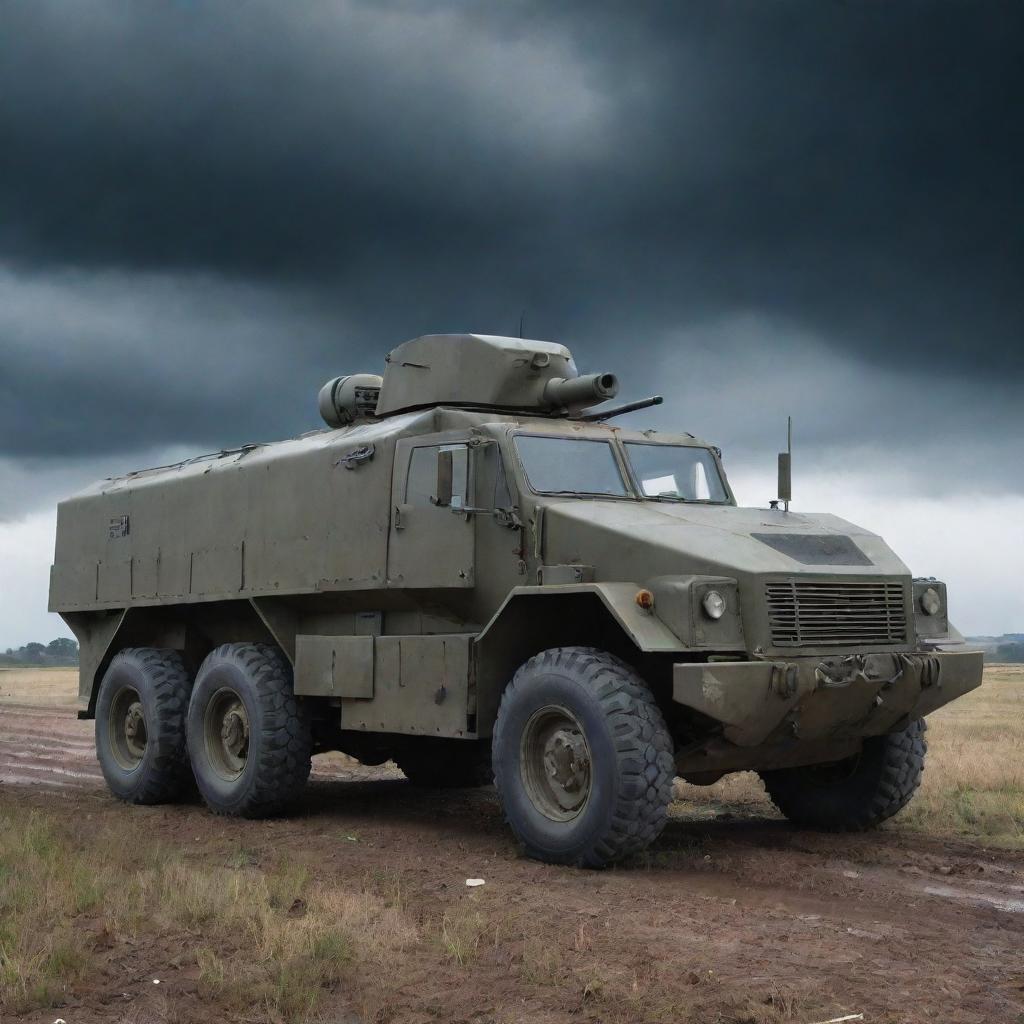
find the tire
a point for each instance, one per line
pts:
(858, 793)
(583, 762)
(140, 725)
(445, 764)
(249, 737)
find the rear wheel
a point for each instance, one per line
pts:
(857, 793)
(582, 758)
(140, 725)
(249, 737)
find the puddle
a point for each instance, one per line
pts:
(977, 899)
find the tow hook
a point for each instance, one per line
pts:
(784, 679)
(869, 668)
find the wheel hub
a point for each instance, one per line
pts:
(234, 733)
(227, 734)
(567, 760)
(126, 728)
(135, 729)
(555, 763)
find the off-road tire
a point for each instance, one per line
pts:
(630, 753)
(162, 683)
(856, 794)
(280, 743)
(445, 764)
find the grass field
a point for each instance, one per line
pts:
(973, 784)
(269, 937)
(51, 687)
(262, 935)
(974, 780)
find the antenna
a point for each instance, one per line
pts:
(521, 316)
(786, 467)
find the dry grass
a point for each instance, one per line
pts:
(974, 780)
(265, 939)
(49, 687)
(42, 890)
(272, 942)
(973, 783)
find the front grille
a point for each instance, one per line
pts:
(836, 613)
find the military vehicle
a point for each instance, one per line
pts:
(472, 569)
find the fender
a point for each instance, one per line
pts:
(645, 629)
(534, 618)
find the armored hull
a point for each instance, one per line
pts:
(413, 576)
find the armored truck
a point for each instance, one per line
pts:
(474, 571)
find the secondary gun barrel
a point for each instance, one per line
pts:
(618, 410)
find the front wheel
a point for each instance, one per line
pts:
(857, 793)
(582, 758)
(249, 737)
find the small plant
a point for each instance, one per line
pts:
(460, 935)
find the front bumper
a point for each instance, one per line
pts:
(816, 699)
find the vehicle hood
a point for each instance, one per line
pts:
(635, 540)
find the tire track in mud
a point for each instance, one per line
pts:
(48, 747)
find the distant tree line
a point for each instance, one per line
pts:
(1012, 652)
(57, 653)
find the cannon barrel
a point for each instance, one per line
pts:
(580, 392)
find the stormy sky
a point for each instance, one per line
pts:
(754, 208)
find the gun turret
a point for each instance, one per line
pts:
(479, 371)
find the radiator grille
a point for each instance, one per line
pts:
(845, 613)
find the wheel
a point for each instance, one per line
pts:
(140, 725)
(857, 793)
(445, 764)
(249, 737)
(582, 758)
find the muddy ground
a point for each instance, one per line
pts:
(738, 917)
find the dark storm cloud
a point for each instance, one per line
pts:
(208, 208)
(123, 362)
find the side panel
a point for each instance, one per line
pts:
(290, 518)
(422, 685)
(74, 582)
(334, 666)
(114, 581)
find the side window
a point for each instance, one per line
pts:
(421, 483)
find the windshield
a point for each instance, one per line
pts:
(568, 465)
(676, 472)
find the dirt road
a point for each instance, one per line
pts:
(49, 748)
(737, 918)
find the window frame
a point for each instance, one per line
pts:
(439, 446)
(624, 475)
(638, 483)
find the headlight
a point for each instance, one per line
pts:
(931, 603)
(714, 604)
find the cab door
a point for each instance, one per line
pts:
(431, 542)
